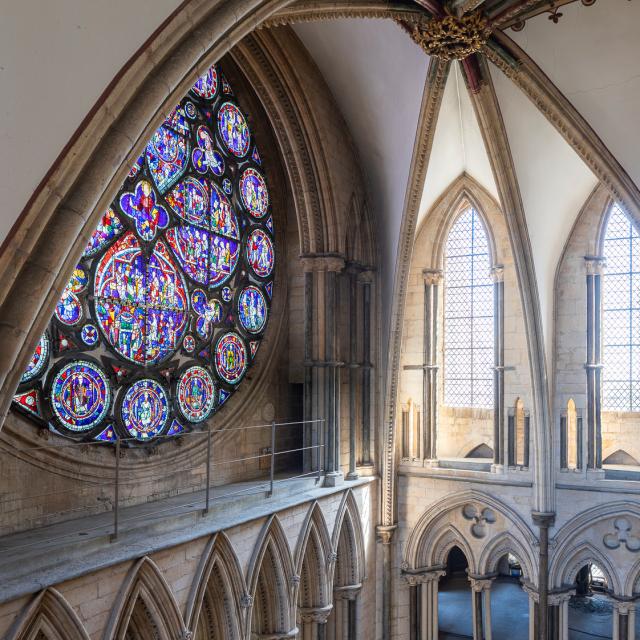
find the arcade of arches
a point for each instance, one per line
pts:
(320, 320)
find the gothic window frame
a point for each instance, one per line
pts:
(464, 205)
(171, 298)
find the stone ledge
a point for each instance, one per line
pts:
(36, 559)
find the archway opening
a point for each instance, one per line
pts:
(509, 602)
(590, 610)
(216, 619)
(455, 614)
(141, 624)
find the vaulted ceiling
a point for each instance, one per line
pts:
(55, 62)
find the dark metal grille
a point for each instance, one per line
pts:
(621, 315)
(468, 315)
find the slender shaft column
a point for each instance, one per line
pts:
(384, 537)
(353, 367)
(326, 269)
(312, 457)
(533, 612)
(497, 273)
(544, 521)
(366, 280)
(593, 366)
(481, 594)
(623, 617)
(313, 621)
(432, 281)
(558, 606)
(345, 602)
(423, 606)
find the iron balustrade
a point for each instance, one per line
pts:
(266, 485)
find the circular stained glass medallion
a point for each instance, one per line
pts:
(206, 85)
(230, 357)
(89, 335)
(190, 110)
(252, 309)
(259, 250)
(141, 303)
(233, 129)
(145, 409)
(254, 194)
(189, 344)
(39, 359)
(196, 394)
(80, 395)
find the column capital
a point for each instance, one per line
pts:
(595, 265)
(385, 533)
(331, 262)
(623, 606)
(432, 276)
(366, 276)
(414, 577)
(497, 273)
(543, 519)
(318, 615)
(278, 636)
(556, 598)
(348, 592)
(481, 583)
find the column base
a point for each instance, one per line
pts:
(352, 475)
(497, 468)
(595, 474)
(431, 463)
(334, 479)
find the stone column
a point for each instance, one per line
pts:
(497, 274)
(544, 520)
(558, 607)
(432, 280)
(312, 459)
(313, 622)
(593, 365)
(425, 583)
(533, 610)
(346, 615)
(481, 603)
(384, 535)
(365, 279)
(325, 270)
(623, 619)
(354, 330)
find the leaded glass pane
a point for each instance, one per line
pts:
(621, 315)
(468, 315)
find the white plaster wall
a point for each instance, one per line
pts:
(56, 58)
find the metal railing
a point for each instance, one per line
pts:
(257, 484)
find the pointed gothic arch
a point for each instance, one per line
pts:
(214, 609)
(314, 561)
(145, 608)
(348, 543)
(48, 617)
(271, 583)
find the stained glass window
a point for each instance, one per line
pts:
(621, 315)
(165, 311)
(468, 315)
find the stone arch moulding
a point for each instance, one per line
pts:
(420, 547)
(504, 543)
(279, 611)
(348, 528)
(574, 543)
(578, 556)
(46, 241)
(314, 545)
(146, 583)
(441, 542)
(48, 613)
(466, 192)
(219, 563)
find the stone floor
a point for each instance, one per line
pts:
(589, 618)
